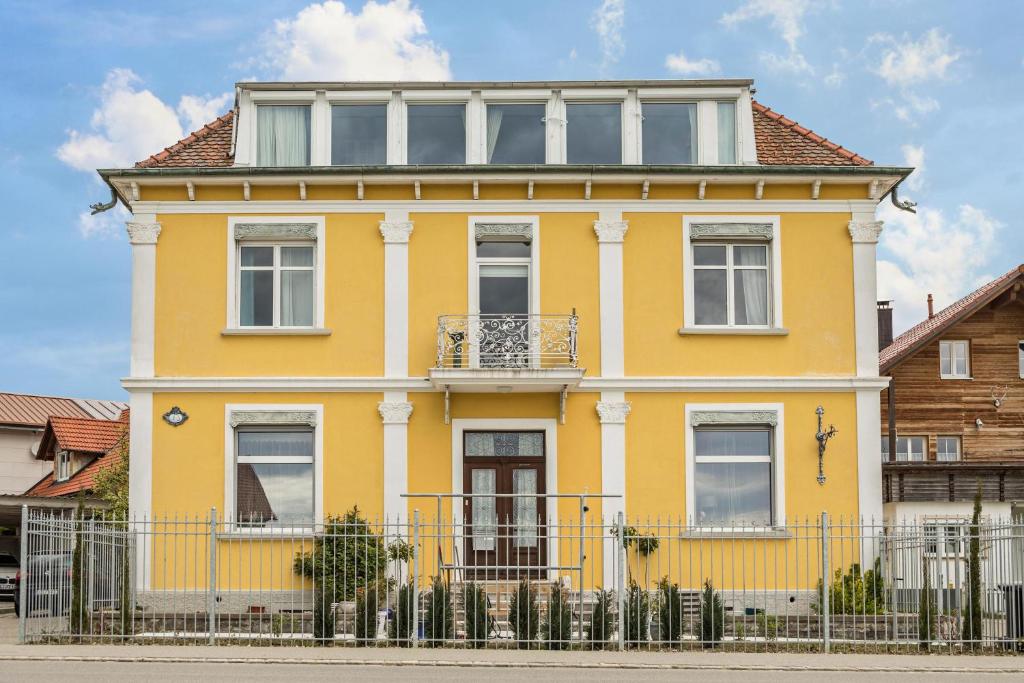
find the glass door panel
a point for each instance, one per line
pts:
(484, 511)
(504, 334)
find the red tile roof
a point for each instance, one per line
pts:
(784, 141)
(81, 434)
(919, 335)
(83, 480)
(780, 141)
(26, 410)
(88, 435)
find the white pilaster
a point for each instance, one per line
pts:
(395, 409)
(611, 231)
(140, 473)
(612, 410)
(143, 232)
(864, 231)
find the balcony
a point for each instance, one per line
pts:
(951, 481)
(506, 353)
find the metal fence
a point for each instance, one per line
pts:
(573, 583)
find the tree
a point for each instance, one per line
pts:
(111, 481)
(972, 625)
(523, 614)
(79, 616)
(712, 616)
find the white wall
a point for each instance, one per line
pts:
(18, 469)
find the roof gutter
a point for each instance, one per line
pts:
(901, 204)
(100, 207)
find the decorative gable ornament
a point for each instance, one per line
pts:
(504, 231)
(753, 231)
(175, 417)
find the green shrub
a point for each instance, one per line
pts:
(740, 631)
(479, 621)
(925, 608)
(367, 604)
(972, 624)
(401, 625)
(767, 626)
(323, 617)
(635, 616)
(670, 611)
(438, 622)
(79, 614)
(855, 592)
(349, 556)
(523, 615)
(601, 619)
(557, 626)
(712, 616)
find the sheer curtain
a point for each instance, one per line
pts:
(282, 135)
(485, 515)
(754, 285)
(494, 116)
(691, 113)
(727, 132)
(297, 298)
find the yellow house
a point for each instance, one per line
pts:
(389, 295)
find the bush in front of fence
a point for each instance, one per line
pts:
(367, 605)
(523, 615)
(636, 615)
(601, 619)
(670, 611)
(349, 555)
(401, 625)
(855, 592)
(712, 615)
(557, 627)
(476, 606)
(438, 621)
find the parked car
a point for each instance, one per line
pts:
(8, 574)
(48, 586)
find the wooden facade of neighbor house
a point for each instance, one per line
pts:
(953, 415)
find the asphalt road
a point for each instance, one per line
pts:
(82, 672)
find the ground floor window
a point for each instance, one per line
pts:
(908, 448)
(947, 449)
(733, 476)
(274, 476)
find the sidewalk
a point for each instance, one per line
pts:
(716, 661)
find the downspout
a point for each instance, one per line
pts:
(100, 207)
(901, 204)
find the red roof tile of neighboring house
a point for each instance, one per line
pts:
(919, 335)
(780, 141)
(105, 438)
(80, 434)
(83, 480)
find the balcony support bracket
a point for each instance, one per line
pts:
(561, 403)
(447, 405)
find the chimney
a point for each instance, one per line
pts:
(931, 310)
(884, 324)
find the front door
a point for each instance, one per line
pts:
(505, 513)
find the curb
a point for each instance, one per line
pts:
(511, 664)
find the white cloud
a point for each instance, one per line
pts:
(607, 21)
(909, 62)
(106, 225)
(787, 18)
(928, 252)
(383, 41)
(198, 110)
(913, 155)
(129, 125)
(835, 78)
(681, 64)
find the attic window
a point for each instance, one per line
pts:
(63, 467)
(282, 135)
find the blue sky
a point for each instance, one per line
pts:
(932, 84)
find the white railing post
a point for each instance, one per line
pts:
(826, 586)
(416, 577)
(23, 583)
(211, 588)
(620, 576)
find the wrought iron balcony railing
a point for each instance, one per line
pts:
(506, 341)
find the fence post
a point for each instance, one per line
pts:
(211, 583)
(416, 577)
(22, 584)
(826, 586)
(620, 576)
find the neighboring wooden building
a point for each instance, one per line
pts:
(953, 416)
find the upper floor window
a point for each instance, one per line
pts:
(515, 133)
(727, 132)
(669, 133)
(282, 135)
(276, 285)
(436, 134)
(359, 134)
(593, 133)
(730, 284)
(63, 466)
(954, 359)
(947, 448)
(908, 448)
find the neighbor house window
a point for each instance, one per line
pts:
(669, 132)
(1020, 358)
(593, 133)
(359, 134)
(727, 132)
(274, 477)
(908, 448)
(947, 448)
(730, 284)
(515, 133)
(282, 135)
(954, 359)
(436, 134)
(276, 285)
(733, 476)
(948, 537)
(63, 466)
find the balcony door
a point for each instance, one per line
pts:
(501, 328)
(505, 534)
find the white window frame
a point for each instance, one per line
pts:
(356, 98)
(63, 468)
(1020, 358)
(959, 448)
(463, 97)
(500, 97)
(230, 459)
(473, 303)
(778, 460)
(627, 119)
(775, 323)
(234, 271)
(246, 154)
(672, 100)
(909, 451)
(952, 344)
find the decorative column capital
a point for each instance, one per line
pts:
(395, 232)
(611, 231)
(142, 233)
(865, 232)
(613, 412)
(395, 412)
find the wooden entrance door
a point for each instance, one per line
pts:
(505, 534)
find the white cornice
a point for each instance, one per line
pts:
(613, 412)
(395, 232)
(394, 412)
(611, 231)
(531, 207)
(420, 384)
(865, 232)
(140, 232)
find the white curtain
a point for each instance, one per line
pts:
(485, 515)
(282, 135)
(727, 132)
(494, 116)
(297, 298)
(525, 509)
(754, 284)
(691, 113)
